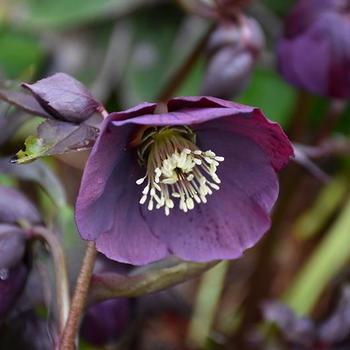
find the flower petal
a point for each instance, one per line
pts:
(235, 217)
(108, 209)
(247, 120)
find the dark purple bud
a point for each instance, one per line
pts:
(14, 207)
(12, 282)
(314, 52)
(12, 245)
(232, 52)
(296, 330)
(105, 322)
(64, 97)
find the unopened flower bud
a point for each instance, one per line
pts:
(232, 52)
(64, 98)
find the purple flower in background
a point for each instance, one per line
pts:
(303, 332)
(197, 180)
(314, 53)
(105, 322)
(14, 267)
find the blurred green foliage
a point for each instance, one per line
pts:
(19, 52)
(76, 36)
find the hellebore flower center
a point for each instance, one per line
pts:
(176, 169)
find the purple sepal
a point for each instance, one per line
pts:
(64, 97)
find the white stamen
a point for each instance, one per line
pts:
(178, 169)
(143, 199)
(140, 181)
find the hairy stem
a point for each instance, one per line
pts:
(79, 298)
(103, 112)
(61, 275)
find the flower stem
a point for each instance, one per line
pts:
(181, 74)
(79, 298)
(104, 113)
(61, 275)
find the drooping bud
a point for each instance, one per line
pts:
(232, 52)
(64, 97)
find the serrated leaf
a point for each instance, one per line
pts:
(34, 148)
(56, 137)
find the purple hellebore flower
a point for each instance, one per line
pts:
(314, 52)
(14, 207)
(208, 164)
(14, 264)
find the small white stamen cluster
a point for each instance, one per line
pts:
(188, 175)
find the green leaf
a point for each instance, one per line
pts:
(57, 137)
(150, 54)
(158, 53)
(207, 300)
(151, 278)
(19, 53)
(328, 201)
(67, 13)
(325, 263)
